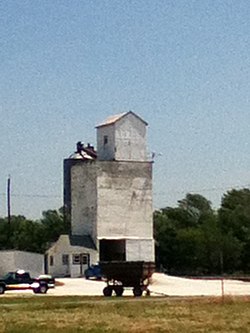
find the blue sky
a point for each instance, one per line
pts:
(183, 66)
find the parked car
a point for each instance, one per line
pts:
(21, 280)
(93, 272)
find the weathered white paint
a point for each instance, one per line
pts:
(12, 260)
(142, 249)
(106, 151)
(84, 199)
(63, 246)
(112, 199)
(126, 139)
(124, 199)
(130, 139)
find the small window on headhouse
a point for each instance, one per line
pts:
(65, 259)
(51, 260)
(105, 139)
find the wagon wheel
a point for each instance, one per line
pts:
(119, 290)
(107, 291)
(137, 291)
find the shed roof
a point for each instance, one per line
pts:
(82, 240)
(113, 119)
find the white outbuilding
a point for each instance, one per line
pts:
(12, 260)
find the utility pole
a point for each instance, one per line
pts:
(8, 200)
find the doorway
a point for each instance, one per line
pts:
(112, 250)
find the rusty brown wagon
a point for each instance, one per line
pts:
(127, 274)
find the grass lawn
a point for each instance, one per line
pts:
(40, 314)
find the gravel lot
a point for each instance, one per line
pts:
(162, 285)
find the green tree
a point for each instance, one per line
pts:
(234, 217)
(54, 224)
(4, 230)
(187, 237)
(35, 236)
(165, 233)
(26, 235)
(21, 234)
(197, 205)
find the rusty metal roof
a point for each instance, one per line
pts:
(113, 119)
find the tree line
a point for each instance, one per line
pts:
(34, 236)
(194, 239)
(191, 238)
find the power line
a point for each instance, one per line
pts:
(33, 195)
(212, 189)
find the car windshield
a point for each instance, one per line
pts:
(7, 276)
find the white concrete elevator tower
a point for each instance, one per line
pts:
(111, 196)
(124, 190)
